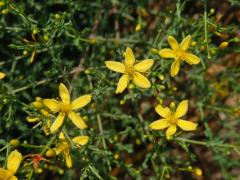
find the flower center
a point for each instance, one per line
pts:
(66, 107)
(129, 70)
(172, 120)
(180, 54)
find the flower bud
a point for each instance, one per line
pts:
(14, 142)
(50, 153)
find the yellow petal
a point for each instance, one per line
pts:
(167, 53)
(52, 104)
(61, 147)
(68, 160)
(81, 101)
(187, 125)
(13, 178)
(32, 119)
(172, 129)
(122, 84)
(57, 123)
(181, 109)
(37, 105)
(175, 68)
(129, 57)
(81, 140)
(115, 66)
(2, 75)
(64, 93)
(159, 124)
(144, 65)
(191, 59)
(186, 43)
(173, 42)
(140, 80)
(13, 161)
(5, 174)
(163, 111)
(46, 127)
(61, 136)
(77, 120)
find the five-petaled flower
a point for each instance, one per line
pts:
(63, 147)
(179, 53)
(131, 71)
(13, 162)
(172, 119)
(65, 107)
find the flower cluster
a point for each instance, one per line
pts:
(54, 111)
(132, 71)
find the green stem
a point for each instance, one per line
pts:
(206, 28)
(30, 146)
(208, 144)
(99, 120)
(3, 148)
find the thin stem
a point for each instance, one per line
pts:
(208, 144)
(146, 130)
(206, 28)
(31, 146)
(3, 148)
(99, 120)
(101, 131)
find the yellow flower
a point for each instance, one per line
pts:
(64, 147)
(13, 163)
(131, 71)
(179, 53)
(171, 119)
(2, 75)
(65, 107)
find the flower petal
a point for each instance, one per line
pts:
(77, 120)
(13, 161)
(81, 140)
(186, 43)
(144, 65)
(58, 122)
(122, 84)
(172, 129)
(187, 125)
(175, 67)
(61, 147)
(115, 66)
(2, 75)
(159, 124)
(140, 80)
(129, 57)
(52, 104)
(13, 178)
(81, 101)
(181, 109)
(167, 53)
(191, 59)
(64, 93)
(163, 111)
(5, 174)
(173, 42)
(68, 160)
(32, 119)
